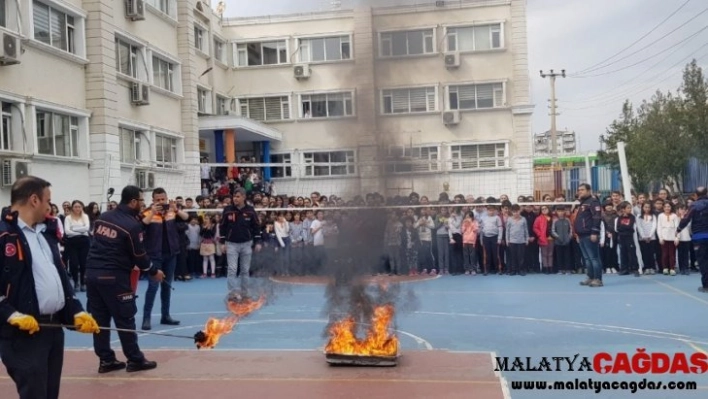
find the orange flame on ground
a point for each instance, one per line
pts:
(215, 328)
(378, 342)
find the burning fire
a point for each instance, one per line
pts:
(215, 328)
(378, 341)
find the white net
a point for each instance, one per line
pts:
(344, 178)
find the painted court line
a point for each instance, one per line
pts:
(681, 292)
(554, 321)
(274, 379)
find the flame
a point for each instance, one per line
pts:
(246, 306)
(215, 328)
(378, 341)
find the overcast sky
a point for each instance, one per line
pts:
(576, 35)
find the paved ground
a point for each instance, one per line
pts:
(278, 349)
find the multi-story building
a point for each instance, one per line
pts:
(102, 93)
(566, 143)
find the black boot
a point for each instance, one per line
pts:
(146, 325)
(107, 367)
(140, 366)
(169, 321)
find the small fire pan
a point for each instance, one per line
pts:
(338, 359)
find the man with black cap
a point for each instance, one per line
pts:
(697, 216)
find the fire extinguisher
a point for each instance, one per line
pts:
(134, 277)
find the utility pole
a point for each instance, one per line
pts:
(554, 141)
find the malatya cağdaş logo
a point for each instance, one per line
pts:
(640, 362)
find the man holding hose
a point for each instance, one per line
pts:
(36, 298)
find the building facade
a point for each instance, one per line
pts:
(101, 93)
(566, 143)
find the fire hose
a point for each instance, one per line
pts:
(199, 337)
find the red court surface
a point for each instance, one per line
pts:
(273, 374)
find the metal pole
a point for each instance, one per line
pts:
(624, 171)
(588, 172)
(122, 330)
(554, 141)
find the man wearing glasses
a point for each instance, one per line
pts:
(116, 249)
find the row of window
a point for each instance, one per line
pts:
(391, 44)
(58, 29)
(401, 160)
(63, 135)
(339, 104)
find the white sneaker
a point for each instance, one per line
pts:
(614, 271)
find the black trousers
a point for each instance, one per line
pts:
(628, 254)
(491, 254)
(531, 260)
(34, 362)
(517, 258)
(110, 296)
(564, 257)
(647, 250)
(702, 259)
(77, 249)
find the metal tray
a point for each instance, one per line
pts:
(337, 359)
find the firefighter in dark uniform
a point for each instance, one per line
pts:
(34, 291)
(697, 216)
(587, 228)
(116, 249)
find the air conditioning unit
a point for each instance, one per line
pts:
(10, 49)
(451, 117)
(301, 71)
(13, 169)
(140, 94)
(230, 112)
(144, 179)
(135, 10)
(452, 60)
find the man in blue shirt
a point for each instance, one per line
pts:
(34, 291)
(697, 216)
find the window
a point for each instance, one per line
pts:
(479, 156)
(163, 74)
(199, 39)
(219, 51)
(165, 151)
(223, 105)
(480, 96)
(202, 100)
(261, 53)
(6, 125)
(281, 170)
(413, 159)
(130, 145)
(165, 6)
(325, 49)
(54, 27)
(396, 44)
(329, 105)
(330, 163)
(57, 134)
(130, 60)
(266, 108)
(407, 101)
(474, 38)
(3, 13)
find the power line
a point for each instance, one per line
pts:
(597, 66)
(594, 98)
(646, 59)
(654, 84)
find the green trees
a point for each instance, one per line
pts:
(663, 133)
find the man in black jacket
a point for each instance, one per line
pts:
(239, 225)
(116, 249)
(34, 290)
(587, 228)
(698, 217)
